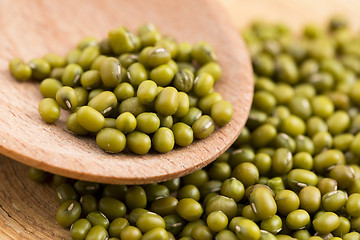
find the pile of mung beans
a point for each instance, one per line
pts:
(293, 173)
(132, 90)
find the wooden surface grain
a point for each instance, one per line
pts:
(56, 26)
(27, 210)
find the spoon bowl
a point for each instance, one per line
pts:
(31, 29)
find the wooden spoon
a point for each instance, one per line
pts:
(33, 28)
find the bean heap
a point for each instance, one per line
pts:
(293, 173)
(134, 91)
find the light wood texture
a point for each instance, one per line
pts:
(56, 26)
(27, 210)
(293, 13)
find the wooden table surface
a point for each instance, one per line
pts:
(27, 209)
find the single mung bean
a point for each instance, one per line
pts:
(183, 134)
(221, 203)
(184, 105)
(157, 233)
(217, 221)
(310, 199)
(65, 192)
(138, 142)
(353, 205)
(233, 188)
(121, 40)
(282, 161)
(297, 219)
(165, 206)
(111, 140)
(98, 218)
(126, 122)
(247, 173)
(117, 225)
(147, 122)
(202, 53)
(184, 52)
(82, 94)
(343, 228)
(72, 75)
(163, 140)
(90, 79)
(40, 69)
(263, 203)
(49, 87)
(201, 233)
(135, 197)
(57, 73)
(264, 101)
(203, 126)
(37, 175)
(90, 119)
(149, 221)
(263, 163)
(299, 178)
(183, 80)
(344, 175)
(219, 170)
(67, 98)
(326, 185)
(97, 233)
(68, 213)
(131, 233)
(272, 225)
(167, 101)
(88, 56)
(246, 229)
(191, 116)
(322, 106)
(222, 112)
(287, 201)
(343, 141)
(303, 160)
(80, 229)
(87, 42)
(49, 110)
(137, 73)
(333, 201)
(189, 209)
(338, 122)
(124, 91)
(248, 212)
(148, 34)
(133, 106)
(263, 135)
(158, 56)
(203, 83)
(104, 102)
(20, 70)
(110, 72)
(326, 222)
(147, 91)
(88, 204)
(174, 223)
(327, 159)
